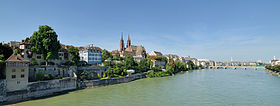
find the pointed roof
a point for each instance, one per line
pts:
(128, 37)
(16, 58)
(122, 36)
(157, 53)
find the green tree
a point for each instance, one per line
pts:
(169, 69)
(117, 57)
(2, 65)
(1, 58)
(191, 65)
(106, 55)
(74, 55)
(171, 63)
(129, 62)
(145, 65)
(164, 59)
(180, 66)
(6, 51)
(83, 75)
(108, 63)
(44, 42)
(170, 66)
(268, 66)
(116, 71)
(109, 72)
(16, 51)
(34, 62)
(200, 66)
(275, 68)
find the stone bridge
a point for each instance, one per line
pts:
(236, 67)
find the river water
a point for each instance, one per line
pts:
(196, 88)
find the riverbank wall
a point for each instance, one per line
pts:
(273, 72)
(51, 87)
(62, 71)
(111, 81)
(41, 89)
(48, 88)
(2, 90)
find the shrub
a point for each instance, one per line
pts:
(40, 76)
(43, 63)
(157, 74)
(34, 62)
(51, 63)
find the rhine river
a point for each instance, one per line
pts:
(197, 88)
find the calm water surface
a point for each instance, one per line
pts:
(197, 88)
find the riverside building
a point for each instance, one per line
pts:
(91, 54)
(16, 73)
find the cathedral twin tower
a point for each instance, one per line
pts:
(128, 45)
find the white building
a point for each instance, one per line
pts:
(275, 61)
(91, 54)
(185, 59)
(203, 62)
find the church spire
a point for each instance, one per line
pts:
(122, 36)
(128, 42)
(122, 43)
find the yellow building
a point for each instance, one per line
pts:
(16, 72)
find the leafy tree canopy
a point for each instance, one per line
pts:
(273, 68)
(129, 62)
(6, 51)
(44, 42)
(1, 58)
(145, 65)
(117, 57)
(171, 63)
(191, 65)
(74, 52)
(106, 55)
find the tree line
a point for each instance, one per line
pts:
(275, 68)
(118, 69)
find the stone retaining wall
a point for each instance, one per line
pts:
(111, 81)
(62, 71)
(2, 90)
(47, 88)
(42, 88)
(93, 72)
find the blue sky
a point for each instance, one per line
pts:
(247, 30)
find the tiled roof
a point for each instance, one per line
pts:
(25, 41)
(16, 58)
(158, 53)
(90, 48)
(115, 51)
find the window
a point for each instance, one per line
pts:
(38, 57)
(22, 75)
(14, 70)
(18, 82)
(13, 76)
(22, 70)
